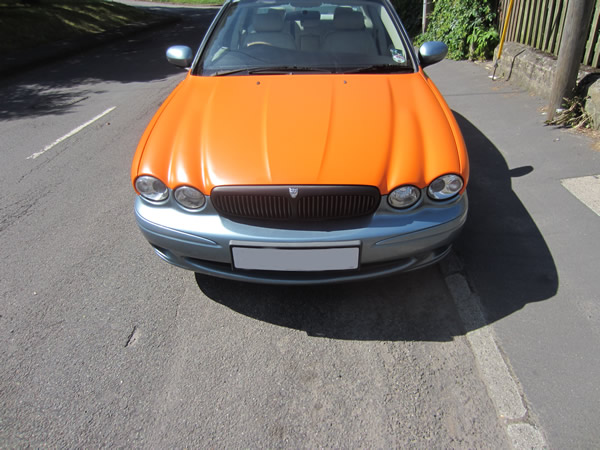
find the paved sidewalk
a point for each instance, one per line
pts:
(531, 246)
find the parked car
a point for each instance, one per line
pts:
(305, 145)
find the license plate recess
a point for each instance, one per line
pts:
(316, 257)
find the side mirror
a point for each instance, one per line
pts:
(432, 52)
(180, 56)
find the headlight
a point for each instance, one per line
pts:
(445, 187)
(189, 197)
(404, 196)
(151, 188)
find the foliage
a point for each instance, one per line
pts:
(468, 27)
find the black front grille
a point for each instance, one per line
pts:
(295, 202)
(266, 206)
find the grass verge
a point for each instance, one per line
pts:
(27, 24)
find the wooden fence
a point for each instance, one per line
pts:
(540, 23)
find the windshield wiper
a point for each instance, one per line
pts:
(288, 69)
(223, 73)
(381, 68)
(273, 70)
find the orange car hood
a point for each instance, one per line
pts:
(378, 130)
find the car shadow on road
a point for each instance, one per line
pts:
(506, 257)
(504, 253)
(411, 307)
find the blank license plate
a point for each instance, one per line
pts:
(295, 259)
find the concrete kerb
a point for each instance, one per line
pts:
(502, 385)
(534, 70)
(15, 62)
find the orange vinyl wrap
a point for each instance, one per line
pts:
(377, 130)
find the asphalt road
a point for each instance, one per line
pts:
(103, 344)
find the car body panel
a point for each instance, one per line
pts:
(377, 130)
(324, 135)
(389, 242)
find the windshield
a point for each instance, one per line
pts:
(305, 36)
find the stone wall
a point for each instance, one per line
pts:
(534, 70)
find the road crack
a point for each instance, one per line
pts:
(133, 337)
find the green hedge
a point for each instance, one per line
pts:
(468, 27)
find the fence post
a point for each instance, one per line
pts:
(426, 11)
(571, 49)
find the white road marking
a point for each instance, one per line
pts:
(71, 133)
(501, 385)
(586, 189)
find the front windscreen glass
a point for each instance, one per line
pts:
(305, 36)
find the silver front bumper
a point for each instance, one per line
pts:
(389, 241)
